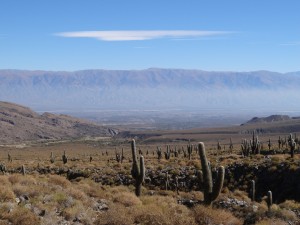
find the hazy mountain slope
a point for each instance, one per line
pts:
(151, 88)
(18, 124)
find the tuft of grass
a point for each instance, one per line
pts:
(209, 216)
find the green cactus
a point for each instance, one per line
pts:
(137, 172)
(269, 200)
(231, 146)
(9, 157)
(211, 191)
(51, 157)
(292, 145)
(252, 190)
(23, 170)
(64, 158)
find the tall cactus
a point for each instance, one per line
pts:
(137, 172)
(269, 199)
(211, 191)
(292, 145)
(64, 158)
(51, 157)
(252, 190)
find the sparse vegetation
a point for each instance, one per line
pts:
(192, 185)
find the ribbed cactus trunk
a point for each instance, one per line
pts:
(211, 192)
(269, 200)
(137, 171)
(252, 190)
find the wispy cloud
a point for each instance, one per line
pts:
(134, 35)
(291, 43)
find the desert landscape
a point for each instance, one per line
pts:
(85, 177)
(149, 112)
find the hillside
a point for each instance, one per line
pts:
(150, 89)
(19, 124)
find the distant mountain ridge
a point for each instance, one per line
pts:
(150, 88)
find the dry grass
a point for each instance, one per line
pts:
(75, 200)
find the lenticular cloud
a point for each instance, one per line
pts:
(139, 35)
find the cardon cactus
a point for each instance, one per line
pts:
(269, 199)
(64, 158)
(211, 190)
(292, 145)
(252, 190)
(51, 157)
(137, 172)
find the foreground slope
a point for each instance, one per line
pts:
(19, 123)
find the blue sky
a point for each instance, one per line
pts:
(219, 35)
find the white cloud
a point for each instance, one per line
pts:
(140, 35)
(291, 43)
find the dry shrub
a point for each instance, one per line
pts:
(5, 209)
(78, 211)
(271, 222)
(59, 180)
(116, 215)
(6, 193)
(208, 216)
(4, 181)
(173, 214)
(23, 216)
(162, 210)
(77, 194)
(127, 199)
(30, 191)
(290, 204)
(3, 222)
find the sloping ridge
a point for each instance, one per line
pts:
(20, 124)
(269, 119)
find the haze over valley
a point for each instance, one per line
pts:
(155, 98)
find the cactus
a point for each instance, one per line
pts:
(122, 155)
(279, 143)
(137, 172)
(231, 146)
(158, 151)
(64, 158)
(168, 153)
(190, 150)
(167, 184)
(23, 170)
(255, 145)
(269, 200)
(245, 148)
(292, 145)
(252, 190)
(9, 158)
(211, 191)
(51, 157)
(269, 144)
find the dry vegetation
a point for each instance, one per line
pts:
(93, 188)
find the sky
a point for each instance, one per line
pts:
(213, 35)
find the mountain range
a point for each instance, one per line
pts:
(150, 89)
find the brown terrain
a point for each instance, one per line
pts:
(86, 181)
(20, 124)
(266, 127)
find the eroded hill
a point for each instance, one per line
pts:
(19, 124)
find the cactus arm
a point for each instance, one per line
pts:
(219, 183)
